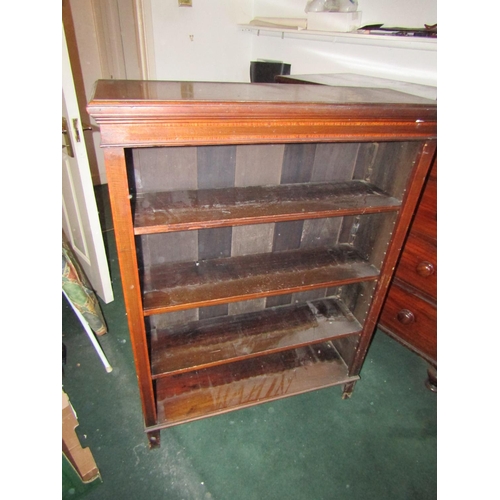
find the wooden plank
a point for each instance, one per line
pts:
(161, 321)
(298, 162)
(207, 208)
(320, 128)
(308, 295)
(216, 166)
(165, 169)
(334, 162)
(357, 298)
(171, 247)
(194, 284)
(258, 165)
(249, 240)
(193, 395)
(246, 306)
(279, 300)
(348, 230)
(213, 311)
(320, 232)
(374, 244)
(393, 165)
(365, 159)
(346, 347)
(213, 244)
(207, 343)
(287, 235)
(126, 250)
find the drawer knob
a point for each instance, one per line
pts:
(425, 269)
(406, 317)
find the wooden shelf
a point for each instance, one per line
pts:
(208, 208)
(205, 343)
(197, 394)
(178, 286)
(353, 38)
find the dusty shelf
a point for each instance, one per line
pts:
(201, 344)
(160, 212)
(193, 395)
(184, 285)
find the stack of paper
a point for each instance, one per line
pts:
(280, 22)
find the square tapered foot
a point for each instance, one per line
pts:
(154, 439)
(348, 389)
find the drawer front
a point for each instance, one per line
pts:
(411, 319)
(418, 265)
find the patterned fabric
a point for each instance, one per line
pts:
(77, 287)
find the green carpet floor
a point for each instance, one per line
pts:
(380, 444)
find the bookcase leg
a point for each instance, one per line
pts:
(154, 439)
(431, 382)
(348, 388)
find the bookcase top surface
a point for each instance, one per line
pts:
(135, 113)
(126, 92)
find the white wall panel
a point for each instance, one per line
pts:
(201, 42)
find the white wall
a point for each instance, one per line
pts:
(305, 56)
(203, 43)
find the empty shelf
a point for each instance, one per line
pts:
(205, 343)
(193, 395)
(208, 208)
(172, 287)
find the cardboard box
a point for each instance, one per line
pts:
(342, 22)
(80, 458)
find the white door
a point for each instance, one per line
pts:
(80, 219)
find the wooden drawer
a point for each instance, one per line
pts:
(418, 265)
(412, 320)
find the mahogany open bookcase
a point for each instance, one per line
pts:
(257, 228)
